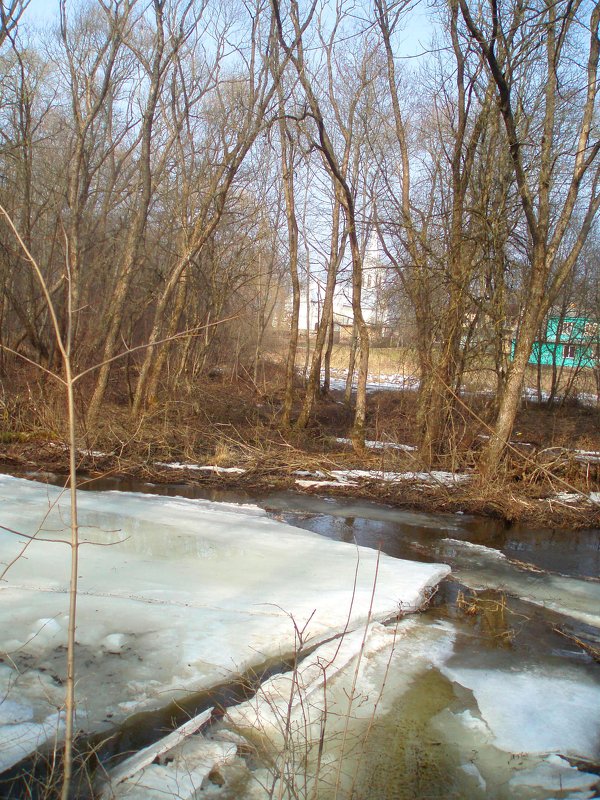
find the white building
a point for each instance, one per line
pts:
(373, 296)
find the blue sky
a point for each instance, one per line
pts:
(41, 11)
(413, 39)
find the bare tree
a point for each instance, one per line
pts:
(11, 12)
(154, 74)
(336, 167)
(239, 110)
(532, 54)
(438, 261)
(287, 154)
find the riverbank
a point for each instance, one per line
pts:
(227, 434)
(382, 474)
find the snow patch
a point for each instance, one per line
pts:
(202, 467)
(433, 477)
(377, 445)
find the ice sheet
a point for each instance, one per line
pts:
(555, 774)
(182, 595)
(480, 567)
(310, 726)
(535, 710)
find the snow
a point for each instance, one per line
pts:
(347, 477)
(568, 497)
(587, 455)
(306, 484)
(377, 445)
(202, 467)
(377, 381)
(175, 596)
(432, 477)
(82, 451)
(575, 498)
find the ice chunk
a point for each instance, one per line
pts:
(556, 775)
(114, 642)
(19, 740)
(472, 770)
(480, 567)
(12, 713)
(535, 710)
(311, 725)
(137, 769)
(181, 778)
(459, 545)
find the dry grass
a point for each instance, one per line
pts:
(231, 422)
(382, 360)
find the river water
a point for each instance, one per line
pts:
(515, 706)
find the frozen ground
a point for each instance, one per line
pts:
(175, 596)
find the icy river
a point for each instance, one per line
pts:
(491, 692)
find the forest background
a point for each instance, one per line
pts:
(192, 177)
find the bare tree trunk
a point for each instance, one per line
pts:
(335, 255)
(147, 172)
(338, 171)
(287, 179)
(360, 410)
(351, 366)
(327, 359)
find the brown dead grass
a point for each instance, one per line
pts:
(236, 423)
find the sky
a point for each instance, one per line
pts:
(414, 39)
(41, 11)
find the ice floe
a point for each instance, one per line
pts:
(328, 728)
(175, 596)
(480, 567)
(309, 726)
(535, 710)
